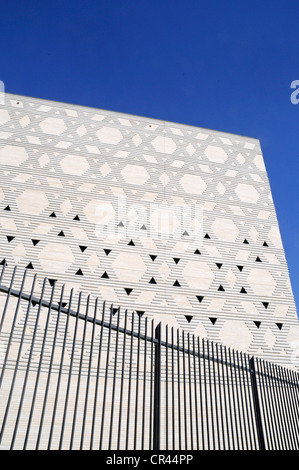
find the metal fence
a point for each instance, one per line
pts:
(76, 374)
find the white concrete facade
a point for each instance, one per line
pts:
(168, 219)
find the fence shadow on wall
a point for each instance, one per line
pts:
(78, 374)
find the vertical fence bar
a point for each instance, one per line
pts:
(49, 371)
(195, 394)
(179, 389)
(70, 374)
(220, 397)
(12, 328)
(122, 382)
(95, 403)
(28, 368)
(114, 381)
(79, 377)
(238, 401)
(290, 386)
(157, 389)
(166, 389)
(144, 385)
(16, 369)
(200, 395)
(40, 363)
(130, 381)
(60, 372)
(215, 395)
(137, 383)
(265, 401)
(106, 381)
(184, 390)
(89, 369)
(257, 409)
(273, 405)
(285, 398)
(190, 392)
(151, 387)
(173, 388)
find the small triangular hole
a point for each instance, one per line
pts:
(240, 268)
(107, 251)
(176, 260)
(200, 298)
(52, 215)
(265, 244)
(35, 242)
(221, 288)
(29, 266)
(188, 318)
(177, 284)
(79, 272)
(213, 320)
(82, 248)
(61, 234)
(152, 281)
(243, 291)
(197, 252)
(219, 265)
(279, 325)
(128, 291)
(153, 257)
(105, 275)
(257, 324)
(76, 218)
(131, 243)
(7, 208)
(9, 238)
(246, 242)
(258, 259)
(207, 235)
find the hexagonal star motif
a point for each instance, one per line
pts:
(13, 155)
(225, 229)
(261, 282)
(32, 201)
(193, 184)
(236, 334)
(53, 126)
(56, 257)
(109, 135)
(74, 165)
(198, 275)
(135, 174)
(164, 145)
(247, 193)
(216, 154)
(4, 116)
(99, 211)
(129, 267)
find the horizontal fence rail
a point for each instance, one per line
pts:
(78, 374)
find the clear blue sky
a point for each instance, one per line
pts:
(224, 65)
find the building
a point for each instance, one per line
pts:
(172, 221)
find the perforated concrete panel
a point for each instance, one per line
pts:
(171, 220)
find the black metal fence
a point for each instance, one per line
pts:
(79, 375)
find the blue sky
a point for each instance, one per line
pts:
(224, 65)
